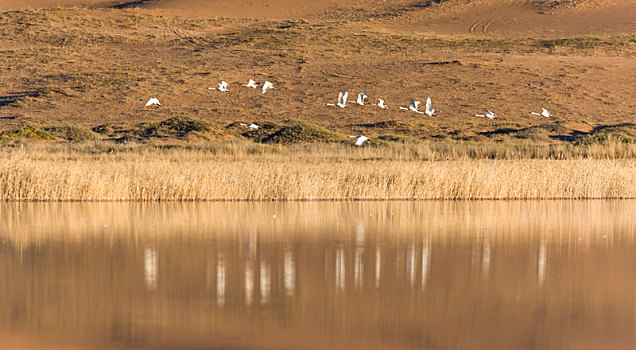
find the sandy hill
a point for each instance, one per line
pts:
(98, 64)
(509, 17)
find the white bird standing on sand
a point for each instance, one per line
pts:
(342, 100)
(360, 140)
(267, 85)
(429, 108)
(153, 101)
(544, 113)
(413, 106)
(361, 97)
(250, 126)
(252, 84)
(381, 104)
(222, 87)
(489, 115)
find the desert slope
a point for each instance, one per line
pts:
(97, 65)
(506, 17)
(520, 18)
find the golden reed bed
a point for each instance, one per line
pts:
(318, 172)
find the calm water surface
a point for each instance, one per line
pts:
(346, 275)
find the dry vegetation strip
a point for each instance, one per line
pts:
(547, 141)
(182, 175)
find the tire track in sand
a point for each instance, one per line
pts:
(472, 28)
(487, 26)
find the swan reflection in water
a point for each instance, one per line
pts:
(220, 279)
(289, 273)
(485, 260)
(340, 268)
(266, 283)
(426, 262)
(249, 282)
(541, 262)
(387, 283)
(378, 265)
(410, 264)
(150, 268)
(261, 280)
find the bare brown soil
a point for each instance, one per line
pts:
(99, 62)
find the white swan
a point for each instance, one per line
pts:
(381, 104)
(252, 84)
(489, 115)
(153, 101)
(544, 113)
(251, 126)
(429, 108)
(267, 85)
(342, 100)
(360, 139)
(361, 97)
(413, 106)
(222, 87)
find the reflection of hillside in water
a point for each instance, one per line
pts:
(372, 275)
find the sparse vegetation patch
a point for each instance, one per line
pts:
(73, 133)
(176, 127)
(622, 133)
(299, 132)
(33, 133)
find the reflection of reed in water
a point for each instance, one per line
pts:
(43, 222)
(309, 259)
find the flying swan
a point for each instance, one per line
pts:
(413, 106)
(342, 100)
(153, 101)
(360, 139)
(488, 114)
(544, 113)
(222, 87)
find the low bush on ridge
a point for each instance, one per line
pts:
(546, 141)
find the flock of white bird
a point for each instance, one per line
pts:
(413, 106)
